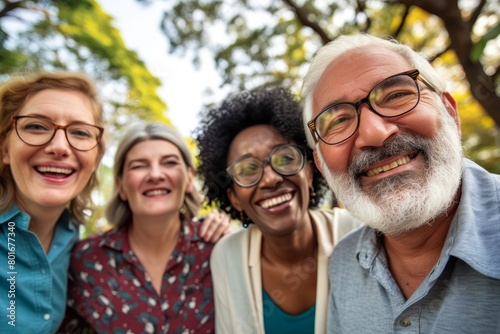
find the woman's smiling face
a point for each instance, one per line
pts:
(277, 204)
(155, 179)
(51, 175)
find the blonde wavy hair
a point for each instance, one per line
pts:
(14, 94)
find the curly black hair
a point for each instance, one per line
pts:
(219, 126)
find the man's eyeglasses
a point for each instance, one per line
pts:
(38, 131)
(394, 96)
(286, 160)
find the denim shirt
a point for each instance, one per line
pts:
(33, 283)
(461, 294)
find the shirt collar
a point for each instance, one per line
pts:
(117, 239)
(23, 219)
(368, 247)
(474, 232)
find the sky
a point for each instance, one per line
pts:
(184, 87)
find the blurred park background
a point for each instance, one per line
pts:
(245, 44)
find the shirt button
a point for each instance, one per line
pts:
(46, 316)
(42, 271)
(405, 323)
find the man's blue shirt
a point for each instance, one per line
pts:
(461, 294)
(33, 284)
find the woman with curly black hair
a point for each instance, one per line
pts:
(271, 277)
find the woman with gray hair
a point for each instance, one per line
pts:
(151, 272)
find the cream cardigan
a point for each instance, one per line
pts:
(236, 274)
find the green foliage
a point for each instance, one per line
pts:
(271, 42)
(479, 134)
(80, 36)
(478, 49)
(97, 222)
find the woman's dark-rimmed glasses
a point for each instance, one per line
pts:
(38, 131)
(286, 160)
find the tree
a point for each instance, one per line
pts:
(80, 36)
(267, 42)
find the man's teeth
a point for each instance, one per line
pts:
(390, 166)
(276, 200)
(156, 192)
(45, 169)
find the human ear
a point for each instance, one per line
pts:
(451, 106)
(317, 162)
(310, 172)
(121, 191)
(189, 185)
(4, 150)
(235, 202)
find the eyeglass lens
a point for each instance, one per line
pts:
(392, 97)
(285, 160)
(38, 131)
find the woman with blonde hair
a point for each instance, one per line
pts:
(46, 180)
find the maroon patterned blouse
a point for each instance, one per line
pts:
(110, 289)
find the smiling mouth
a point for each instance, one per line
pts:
(156, 192)
(392, 165)
(266, 204)
(54, 170)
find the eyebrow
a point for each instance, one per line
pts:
(170, 156)
(37, 115)
(167, 156)
(244, 156)
(332, 102)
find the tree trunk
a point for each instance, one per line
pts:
(482, 86)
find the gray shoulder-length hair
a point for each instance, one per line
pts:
(117, 211)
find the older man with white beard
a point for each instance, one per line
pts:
(386, 136)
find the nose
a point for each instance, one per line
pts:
(59, 144)
(155, 172)
(270, 178)
(373, 129)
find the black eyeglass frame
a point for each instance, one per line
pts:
(267, 161)
(57, 127)
(414, 74)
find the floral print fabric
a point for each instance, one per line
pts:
(110, 289)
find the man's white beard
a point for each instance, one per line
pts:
(407, 201)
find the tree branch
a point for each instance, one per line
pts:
(440, 53)
(403, 21)
(437, 7)
(476, 12)
(302, 15)
(361, 8)
(10, 6)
